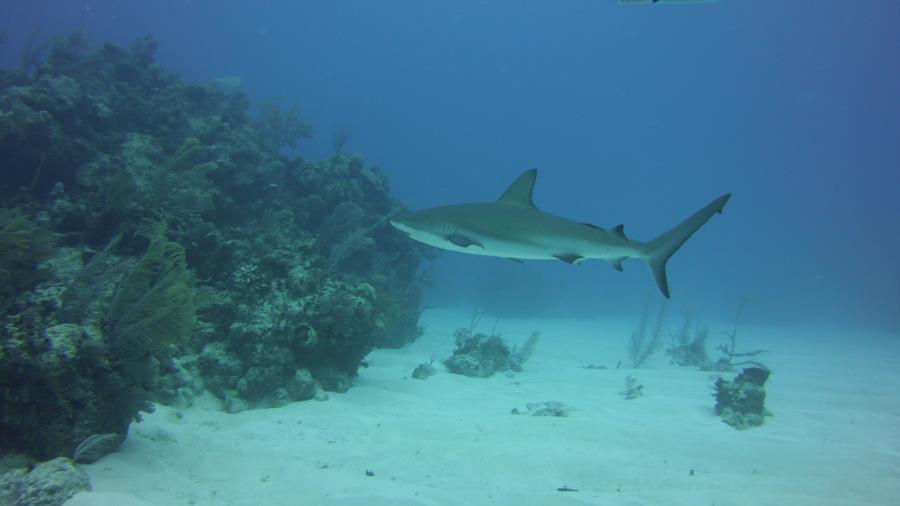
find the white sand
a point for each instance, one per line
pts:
(834, 439)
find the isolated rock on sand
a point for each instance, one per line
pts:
(546, 408)
(424, 371)
(741, 403)
(479, 356)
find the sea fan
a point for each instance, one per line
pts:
(94, 447)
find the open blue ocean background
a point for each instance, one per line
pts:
(634, 114)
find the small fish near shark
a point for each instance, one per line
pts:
(513, 227)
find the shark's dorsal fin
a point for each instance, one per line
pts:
(619, 231)
(519, 192)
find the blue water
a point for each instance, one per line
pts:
(634, 114)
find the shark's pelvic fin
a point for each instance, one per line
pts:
(617, 263)
(571, 259)
(658, 251)
(520, 191)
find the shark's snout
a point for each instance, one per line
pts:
(400, 221)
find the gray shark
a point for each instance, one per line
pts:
(513, 227)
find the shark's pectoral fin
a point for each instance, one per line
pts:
(463, 241)
(617, 263)
(571, 259)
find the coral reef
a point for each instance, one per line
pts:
(632, 389)
(642, 344)
(521, 355)
(546, 408)
(741, 403)
(156, 241)
(49, 483)
(154, 305)
(481, 355)
(425, 370)
(95, 447)
(689, 350)
(23, 246)
(726, 361)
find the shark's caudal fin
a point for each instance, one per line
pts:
(659, 250)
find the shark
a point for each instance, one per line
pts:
(513, 227)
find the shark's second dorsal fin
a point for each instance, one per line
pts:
(519, 192)
(619, 231)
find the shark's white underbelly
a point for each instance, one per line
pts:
(532, 250)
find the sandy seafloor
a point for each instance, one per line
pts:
(834, 438)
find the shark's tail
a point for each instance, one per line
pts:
(659, 250)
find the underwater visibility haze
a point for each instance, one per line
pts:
(287, 252)
(633, 113)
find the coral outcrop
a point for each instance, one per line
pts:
(741, 403)
(481, 356)
(49, 483)
(156, 240)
